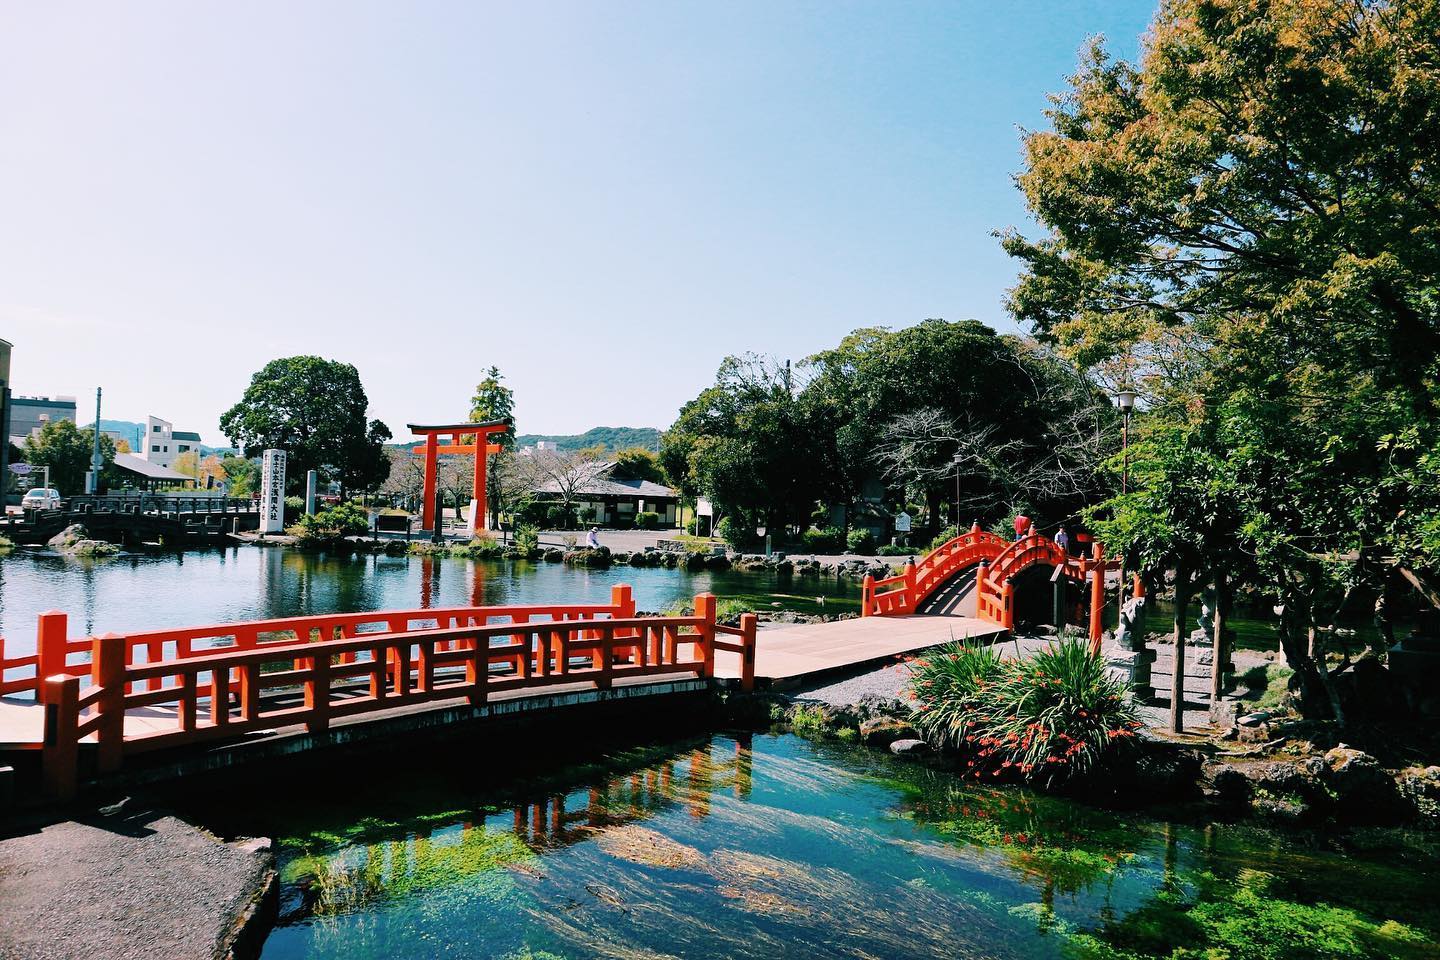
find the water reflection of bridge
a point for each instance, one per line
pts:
(344, 880)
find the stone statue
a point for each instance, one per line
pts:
(1130, 632)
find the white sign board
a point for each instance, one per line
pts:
(704, 508)
(902, 522)
(272, 491)
(21, 469)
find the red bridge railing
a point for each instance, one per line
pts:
(311, 671)
(997, 563)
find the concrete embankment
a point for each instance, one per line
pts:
(131, 885)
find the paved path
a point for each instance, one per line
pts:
(132, 886)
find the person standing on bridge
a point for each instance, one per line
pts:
(1022, 526)
(1062, 539)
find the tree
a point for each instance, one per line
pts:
(1242, 226)
(749, 445)
(560, 474)
(495, 401)
(66, 450)
(314, 410)
(637, 463)
(242, 475)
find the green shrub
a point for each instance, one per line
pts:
(558, 518)
(527, 538)
(895, 550)
(691, 525)
(861, 541)
(943, 537)
(647, 520)
(341, 520)
(729, 530)
(1043, 719)
(828, 540)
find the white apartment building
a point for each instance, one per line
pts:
(162, 443)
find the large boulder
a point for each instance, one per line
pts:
(75, 541)
(1419, 789)
(1358, 784)
(883, 731)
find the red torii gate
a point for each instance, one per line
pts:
(481, 447)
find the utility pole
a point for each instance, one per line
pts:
(92, 479)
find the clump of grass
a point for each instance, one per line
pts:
(1044, 719)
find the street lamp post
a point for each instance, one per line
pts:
(1125, 399)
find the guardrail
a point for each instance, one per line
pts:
(997, 562)
(333, 667)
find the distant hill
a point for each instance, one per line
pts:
(612, 438)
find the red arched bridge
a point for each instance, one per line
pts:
(979, 573)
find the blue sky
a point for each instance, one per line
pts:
(602, 199)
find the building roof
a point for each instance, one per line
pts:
(184, 435)
(607, 486)
(146, 469)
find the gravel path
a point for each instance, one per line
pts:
(133, 886)
(886, 682)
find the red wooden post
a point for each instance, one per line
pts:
(107, 657)
(867, 595)
(481, 519)
(60, 757)
(1097, 597)
(910, 598)
(705, 610)
(607, 659)
(1007, 604)
(477, 672)
(50, 643)
(432, 465)
(748, 624)
(981, 570)
(317, 694)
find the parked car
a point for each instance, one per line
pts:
(41, 498)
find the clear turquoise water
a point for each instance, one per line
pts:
(247, 583)
(780, 847)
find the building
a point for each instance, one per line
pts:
(163, 443)
(143, 474)
(611, 501)
(29, 414)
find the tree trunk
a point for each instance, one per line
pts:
(1217, 646)
(1297, 658)
(1177, 679)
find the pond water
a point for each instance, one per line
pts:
(150, 591)
(772, 845)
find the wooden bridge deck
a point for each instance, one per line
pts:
(785, 656)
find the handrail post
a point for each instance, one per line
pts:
(981, 569)
(50, 650)
(317, 694)
(60, 759)
(622, 601)
(748, 625)
(1007, 604)
(911, 601)
(867, 595)
(108, 673)
(705, 610)
(607, 658)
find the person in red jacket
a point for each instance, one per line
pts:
(1022, 526)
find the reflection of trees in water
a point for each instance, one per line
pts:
(358, 876)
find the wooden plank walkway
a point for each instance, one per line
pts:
(789, 655)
